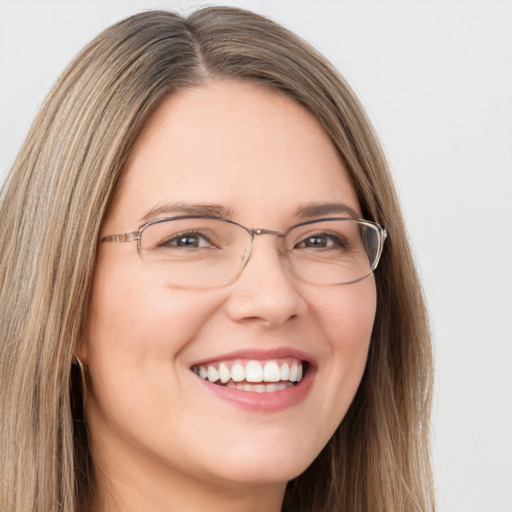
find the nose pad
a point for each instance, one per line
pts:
(254, 233)
(265, 290)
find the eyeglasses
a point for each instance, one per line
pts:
(201, 251)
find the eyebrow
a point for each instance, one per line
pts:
(179, 208)
(216, 210)
(321, 210)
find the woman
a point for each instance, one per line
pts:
(191, 317)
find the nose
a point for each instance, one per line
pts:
(265, 293)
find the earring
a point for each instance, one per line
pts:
(82, 374)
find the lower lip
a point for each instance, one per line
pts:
(272, 401)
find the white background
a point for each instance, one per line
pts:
(436, 79)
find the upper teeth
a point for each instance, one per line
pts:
(251, 371)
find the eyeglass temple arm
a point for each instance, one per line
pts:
(123, 237)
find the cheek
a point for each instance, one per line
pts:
(129, 310)
(347, 315)
(137, 330)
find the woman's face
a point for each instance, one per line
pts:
(260, 158)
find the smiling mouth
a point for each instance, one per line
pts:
(252, 375)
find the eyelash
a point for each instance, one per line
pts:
(169, 242)
(335, 239)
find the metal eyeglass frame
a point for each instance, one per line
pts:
(136, 235)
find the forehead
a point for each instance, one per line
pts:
(250, 149)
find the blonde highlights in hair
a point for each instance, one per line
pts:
(52, 207)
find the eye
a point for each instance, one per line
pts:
(322, 241)
(187, 240)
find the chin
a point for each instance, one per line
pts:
(262, 474)
(262, 465)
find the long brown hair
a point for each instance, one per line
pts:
(51, 210)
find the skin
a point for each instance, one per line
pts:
(160, 440)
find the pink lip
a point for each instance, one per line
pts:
(263, 402)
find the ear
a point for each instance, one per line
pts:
(80, 353)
